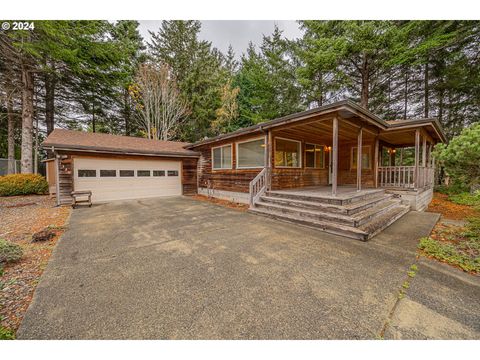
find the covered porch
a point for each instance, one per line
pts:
(320, 155)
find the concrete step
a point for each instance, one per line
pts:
(379, 223)
(330, 227)
(327, 199)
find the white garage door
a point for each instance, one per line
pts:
(118, 179)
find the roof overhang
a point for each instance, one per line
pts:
(345, 108)
(110, 151)
(416, 123)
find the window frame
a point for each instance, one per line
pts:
(315, 156)
(221, 157)
(167, 174)
(369, 157)
(300, 162)
(247, 141)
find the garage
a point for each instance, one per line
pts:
(115, 167)
(122, 179)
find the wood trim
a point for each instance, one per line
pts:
(375, 163)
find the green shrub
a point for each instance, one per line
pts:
(6, 334)
(22, 184)
(466, 198)
(9, 252)
(449, 254)
(452, 189)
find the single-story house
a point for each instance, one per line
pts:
(301, 168)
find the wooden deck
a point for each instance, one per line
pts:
(343, 192)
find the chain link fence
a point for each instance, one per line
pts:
(4, 167)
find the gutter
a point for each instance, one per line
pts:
(113, 152)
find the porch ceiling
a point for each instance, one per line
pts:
(322, 130)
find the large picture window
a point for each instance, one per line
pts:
(314, 156)
(366, 158)
(251, 154)
(222, 157)
(287, 153)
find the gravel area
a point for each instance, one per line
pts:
(20, 218)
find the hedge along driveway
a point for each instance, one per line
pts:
(176, 268)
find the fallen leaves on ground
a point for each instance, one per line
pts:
(226, 203)
(449, 210)
(20, 218)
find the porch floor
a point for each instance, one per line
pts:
(343, 192)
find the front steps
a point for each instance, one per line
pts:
(359, 216)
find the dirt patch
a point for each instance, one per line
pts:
(226, 203)
(449, 210)
(20, 218)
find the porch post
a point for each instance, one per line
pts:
(57, 178)
(424, 152)
(359, 159)
(375, 163)
(401, 156)
(417, 155)
(334, 155)
(269, 160)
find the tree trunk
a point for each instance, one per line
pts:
(50, 83)
(27, 120)
(426, 90)
(11, 130)
(365, 83)
(126, 111)
(440, 106)
(93, 116)
(405, 96)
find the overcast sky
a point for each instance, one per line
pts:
(222, 33)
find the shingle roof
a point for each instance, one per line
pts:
(86, 141)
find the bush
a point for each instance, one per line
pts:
(9, 252)
(466, 199)
(461, 156)
(22, 184)
(449, 254)
(452, 189)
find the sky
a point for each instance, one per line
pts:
(238, 33)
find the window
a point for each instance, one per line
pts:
(158, 172)
(287, 153)
(87, 173)
(172, 173)
(251, 154)
(143, 172)
(127, 173)
(222, 157)
(314, 156)
(108, 173)
(366, 161)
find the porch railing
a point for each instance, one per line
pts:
(258, 186)
(405, 177)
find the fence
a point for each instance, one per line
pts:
(4, 166)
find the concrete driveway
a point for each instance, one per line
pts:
(177, 268)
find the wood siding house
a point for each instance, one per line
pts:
(304, 168)
(290, 167)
